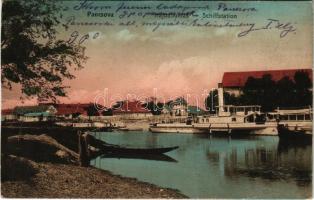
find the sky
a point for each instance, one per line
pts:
(137, 62)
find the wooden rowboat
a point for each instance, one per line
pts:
(135, 151)
(112, 149)
(157, 157)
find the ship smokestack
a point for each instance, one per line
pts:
(220, 95)
(220, 99)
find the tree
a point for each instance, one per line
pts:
(260, 91)
(268, 93)
(286, 93)
(231, 99)
(181, 101)
(283, 93)
(107, 112)
(118, 105)
(92, 110)
(32, 56)
(211, 102)
(154, 107)
(302, 87)
(75, 115)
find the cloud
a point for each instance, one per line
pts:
(190, 75)
(125, 35)
(96, 36)
(220, 31)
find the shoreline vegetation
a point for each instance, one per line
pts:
(44, 164)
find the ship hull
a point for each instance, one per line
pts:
(287, 132)
(175, 128)
(218, 128)
(240, 128)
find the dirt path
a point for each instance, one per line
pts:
(69, 181)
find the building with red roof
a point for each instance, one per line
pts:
(132, 109)
(7, 112)
(75, 109)
(7, 115)
(232, 82)
(70, 110)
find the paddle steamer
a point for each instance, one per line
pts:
(228, 119)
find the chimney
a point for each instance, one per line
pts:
(220, 95)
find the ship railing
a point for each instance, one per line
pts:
(295, 108)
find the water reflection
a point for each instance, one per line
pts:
(281, 162)
(217, 167)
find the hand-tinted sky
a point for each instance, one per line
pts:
(182, 60)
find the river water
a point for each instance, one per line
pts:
(216, 167)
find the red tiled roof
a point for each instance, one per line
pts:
(67, 109)
(73, 108)
(238, 79)
(129, 107)
(7, 112)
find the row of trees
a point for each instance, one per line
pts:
(270, 94)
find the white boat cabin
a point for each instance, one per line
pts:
(291, 115)
(297, 121)
(232, 114)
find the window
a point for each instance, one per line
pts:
(240, 109)
(232, 110)
(234, 119)
(300, 117)
(283, 117)
(307, 117)
(293, 117)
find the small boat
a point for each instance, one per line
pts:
(157, 157)
(114, 149)
(123, 129)
(87, 126)
(295, 123)
(111, 150)
(129, 129)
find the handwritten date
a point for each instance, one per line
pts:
(284, 28)
(75, 37)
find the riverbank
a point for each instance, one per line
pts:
(50, 180)
(37, 165)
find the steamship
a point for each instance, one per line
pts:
(228, 119)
